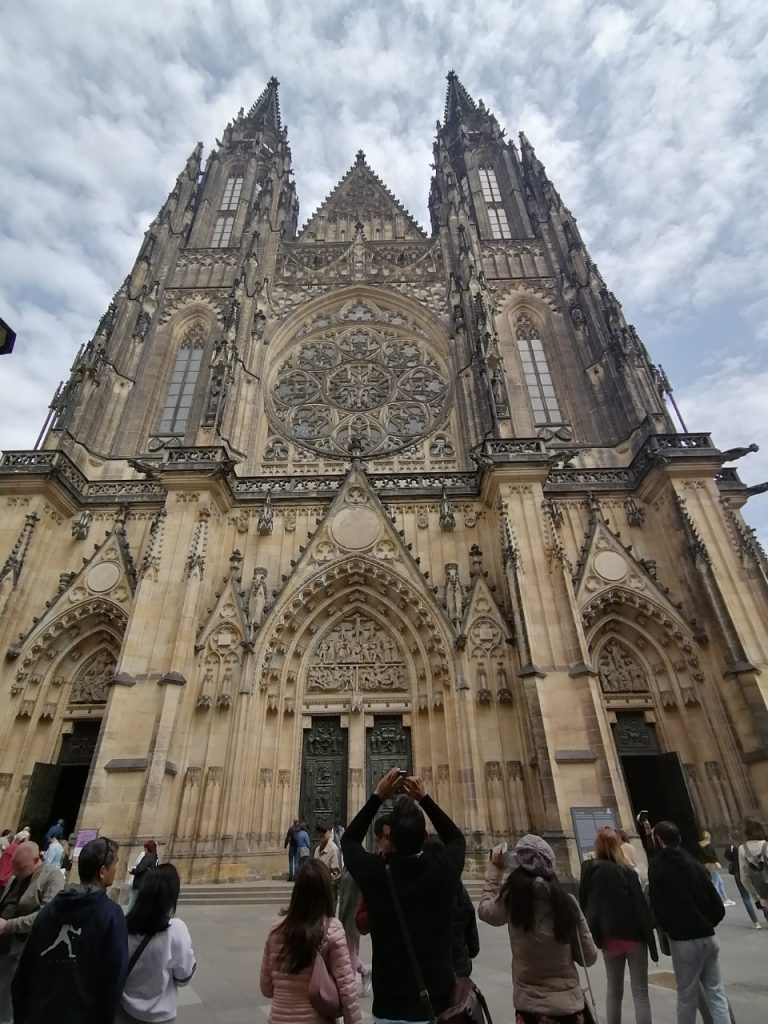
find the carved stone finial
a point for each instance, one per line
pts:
(475, 561)
(82, 525)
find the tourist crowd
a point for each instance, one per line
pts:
(69, 953)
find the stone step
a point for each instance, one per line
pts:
(262, 893)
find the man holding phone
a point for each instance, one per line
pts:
(425, 882)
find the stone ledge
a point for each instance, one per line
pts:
(575, 756)
(126, 764)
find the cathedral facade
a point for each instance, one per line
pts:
(316, 501)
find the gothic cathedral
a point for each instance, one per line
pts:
(319, 500)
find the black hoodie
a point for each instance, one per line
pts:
(683, 899)
(73, 965)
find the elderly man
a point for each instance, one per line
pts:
(33, 884)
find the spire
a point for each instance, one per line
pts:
(266, 109)
(459, 105)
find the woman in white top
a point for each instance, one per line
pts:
(160, 950)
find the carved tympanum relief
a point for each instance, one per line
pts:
(357, 654)
(91, 686)
(619, 671)
(364, 382)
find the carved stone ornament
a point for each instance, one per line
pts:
(619, 671)
(91, 685)
(358, 655)
(82, 524)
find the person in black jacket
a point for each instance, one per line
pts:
(620, 922)
(147, 860)
(465, 941)
(425, 881)
(75, 960)
(687, 907)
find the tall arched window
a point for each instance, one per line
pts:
(497, 215)
(181, 389)
(538, 380)
(225, 222)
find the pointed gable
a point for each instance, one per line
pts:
(360, 198)
(606, 564)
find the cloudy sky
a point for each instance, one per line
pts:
(652, 120)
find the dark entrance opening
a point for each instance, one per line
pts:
(655, 781)
(56, 790)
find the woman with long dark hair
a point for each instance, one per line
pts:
(547, 933)
(620, 922)
(160, 951)
(289, 953)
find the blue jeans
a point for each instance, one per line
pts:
(746, 899)
(293, 861)
(697, 962)
(719, 885)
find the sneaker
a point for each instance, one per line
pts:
(367, 982)
(757, 926)
(729, 903)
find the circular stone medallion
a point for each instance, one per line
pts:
(355, 528)
(611, 566)
(102, 577)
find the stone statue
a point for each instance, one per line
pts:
(258, 600)
(266, 516)
(454, 599)
(447, 513)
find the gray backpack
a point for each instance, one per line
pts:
(757, 866)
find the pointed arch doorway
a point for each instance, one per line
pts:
(654, 779)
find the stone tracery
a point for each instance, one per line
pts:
(363, 380)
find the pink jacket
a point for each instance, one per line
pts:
(288, 992)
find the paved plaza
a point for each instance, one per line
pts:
(228, 941)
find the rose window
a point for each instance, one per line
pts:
(359, 389)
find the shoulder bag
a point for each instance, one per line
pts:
(137, 952)
(468, 1005)
(323, 992)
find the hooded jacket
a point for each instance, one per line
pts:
(73, 965)
(684, 902)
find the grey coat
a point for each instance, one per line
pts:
(43, 886)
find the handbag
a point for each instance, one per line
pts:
(590, 1006)
(323, 992)
(468, 1005)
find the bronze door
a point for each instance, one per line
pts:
(389, 746)
(324, 774)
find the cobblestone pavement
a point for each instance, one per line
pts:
(228, 942)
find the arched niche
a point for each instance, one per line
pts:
(369, 589)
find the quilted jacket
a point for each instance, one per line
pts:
(288, 992)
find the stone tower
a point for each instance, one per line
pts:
(318, 501)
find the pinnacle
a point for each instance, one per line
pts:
(458, 102)
(267, 106)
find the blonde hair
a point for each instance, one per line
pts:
(608, 845)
